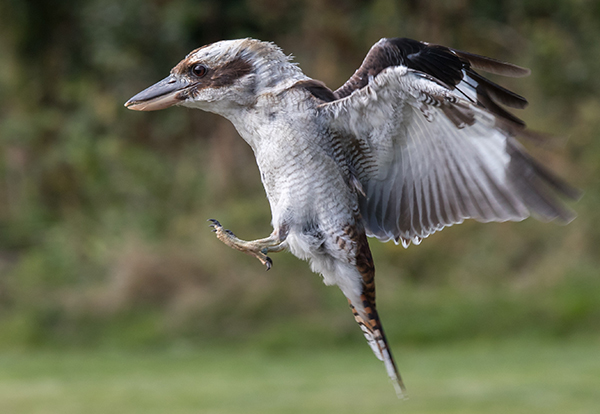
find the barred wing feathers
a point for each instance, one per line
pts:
(430, 146)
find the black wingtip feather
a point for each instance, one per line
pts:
(539, 187)
(489, 104)
(497, 92)
(558, 184)
(492, 65)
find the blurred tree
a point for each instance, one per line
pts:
(89, 190)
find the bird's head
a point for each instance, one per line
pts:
(219, 76)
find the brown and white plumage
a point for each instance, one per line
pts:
(414, 141)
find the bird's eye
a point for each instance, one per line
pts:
(199, 70)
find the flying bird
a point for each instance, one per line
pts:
(416, 140)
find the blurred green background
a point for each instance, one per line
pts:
(115, 295)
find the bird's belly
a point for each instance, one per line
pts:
(313, 207)
(315, 223)
(309, 193)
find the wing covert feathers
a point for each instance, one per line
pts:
(454, 68)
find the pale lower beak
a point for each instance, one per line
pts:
(161, 95)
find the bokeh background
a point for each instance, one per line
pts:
(106, 258)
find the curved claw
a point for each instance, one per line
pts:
(268, 263)
(214, 224)
(217, 226)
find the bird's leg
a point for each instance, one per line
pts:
(257, 248)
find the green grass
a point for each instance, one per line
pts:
(516, 376)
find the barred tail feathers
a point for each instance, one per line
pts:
(373, 331)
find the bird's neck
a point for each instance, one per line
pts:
(273, 78)
(279, 113)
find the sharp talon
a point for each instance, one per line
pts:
(268, 263)
(229, 232)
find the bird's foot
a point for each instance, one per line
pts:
(256, 248)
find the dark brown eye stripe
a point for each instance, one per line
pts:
(230, 72)
(215, 77)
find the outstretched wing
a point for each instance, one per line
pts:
(429, 145)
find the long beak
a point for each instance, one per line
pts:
(161, 95)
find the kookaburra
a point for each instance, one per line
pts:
(416, 140)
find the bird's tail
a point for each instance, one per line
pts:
(369, 322)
